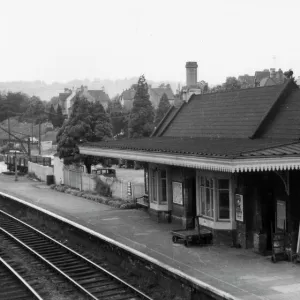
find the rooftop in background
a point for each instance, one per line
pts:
(128, 94)
(163, 90)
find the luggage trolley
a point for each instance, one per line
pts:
(278, 245)
(189, 236)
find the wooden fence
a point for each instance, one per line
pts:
(77, 179)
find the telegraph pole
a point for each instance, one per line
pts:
(40, 150)
(16, 167)
(8, 125)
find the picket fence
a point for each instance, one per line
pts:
(77, 179)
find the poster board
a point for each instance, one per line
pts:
(177, 192)
(281, 214)
(239, 207)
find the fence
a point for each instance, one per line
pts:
(85, 182)
(40, 171)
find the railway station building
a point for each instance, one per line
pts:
(230, 159)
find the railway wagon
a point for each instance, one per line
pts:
(22, 162)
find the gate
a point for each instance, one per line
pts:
(73, 178)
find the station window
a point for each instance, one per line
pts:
(146, 179)
(159, 186)
(154, 185)
(207, 196)
(223, 197)
(163, 185)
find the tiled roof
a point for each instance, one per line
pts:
(246, 79)
(161, 91)
(161, 127)
(99, 95)
(63, 96)
(234, 114)
(286, 122)
(203, 147)
(267, 82)
(259, 75)
(128, 94)
(291, 149)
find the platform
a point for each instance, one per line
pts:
(229, 271)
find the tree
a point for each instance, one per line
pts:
(54, 101)
(58, 118)
(52, 115)
(36, 112)
(217, 88)
(88, 123)
(114, 105)
(289, 75)
(142, 113)
(231, 84)
(12, 104)
(162, 109)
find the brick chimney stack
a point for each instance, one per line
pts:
(191, 73)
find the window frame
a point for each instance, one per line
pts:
(215, 176)
(218, 189)
(161, 179)
(203, 191)
(156, 186)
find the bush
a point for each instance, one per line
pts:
(102, 188)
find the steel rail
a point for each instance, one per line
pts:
(135, 291)
(20, 279)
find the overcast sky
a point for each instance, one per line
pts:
(60, 40)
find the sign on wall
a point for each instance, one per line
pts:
(177, 192)
(239, 207)
(281, 214)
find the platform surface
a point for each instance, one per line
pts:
(239, 272)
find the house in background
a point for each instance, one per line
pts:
(246, 81)
(262, 78)
(126, 98)
(230, 159)
(67, 98)
(156, 94)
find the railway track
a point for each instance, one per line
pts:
(91, 279)
(13, 286)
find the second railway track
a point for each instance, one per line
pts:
(13, 286)
(85, 275)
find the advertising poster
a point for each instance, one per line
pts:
(177, 192)
(239, 208)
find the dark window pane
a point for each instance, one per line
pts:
(163, 174)
(202, 195)
(202, 181)
(163, 190)
(224, 210)
(224, 184)
(208, 208)
(212, 203)
(206, 182)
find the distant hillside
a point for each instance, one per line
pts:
(47, 91)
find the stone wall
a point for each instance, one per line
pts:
(41, 172)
